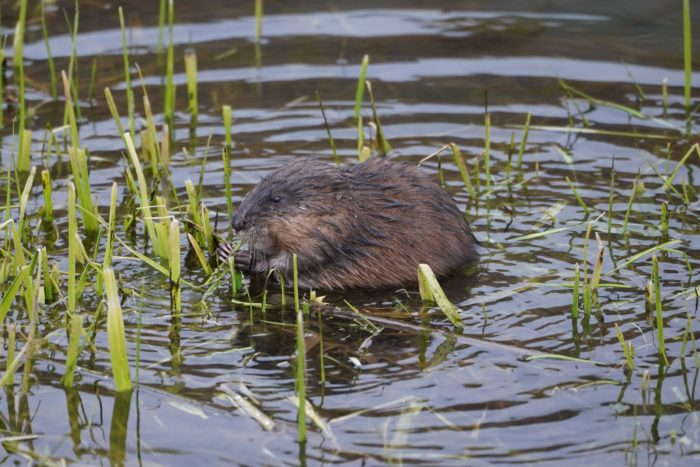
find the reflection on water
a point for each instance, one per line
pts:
(401, 386)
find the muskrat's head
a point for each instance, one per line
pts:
(282, 209)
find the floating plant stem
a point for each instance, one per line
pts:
(360, 91)
(328, 129)
(659, 311)
(430, 291)
(301, 359)
(580, 200)
(115, 333)
(668, 183)
(49, 57)
(687, 53)
(127, 78)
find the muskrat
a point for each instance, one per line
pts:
(365, 226)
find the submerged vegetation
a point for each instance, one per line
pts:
(69, 248)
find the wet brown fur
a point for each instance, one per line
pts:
(366, 226)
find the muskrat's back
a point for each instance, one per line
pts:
(369, 225)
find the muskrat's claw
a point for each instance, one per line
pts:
(224, 251)
(241, 258)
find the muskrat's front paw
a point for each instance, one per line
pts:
(242, 260)
(224, 251)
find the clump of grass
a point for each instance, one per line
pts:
(430, 291)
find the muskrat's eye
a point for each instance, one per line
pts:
(276, 199)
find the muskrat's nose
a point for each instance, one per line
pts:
(238, 222)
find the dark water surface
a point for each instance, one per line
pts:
(415, 391)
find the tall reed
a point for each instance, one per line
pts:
(19, 67)
(115, 334)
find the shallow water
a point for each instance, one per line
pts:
(415, 390)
